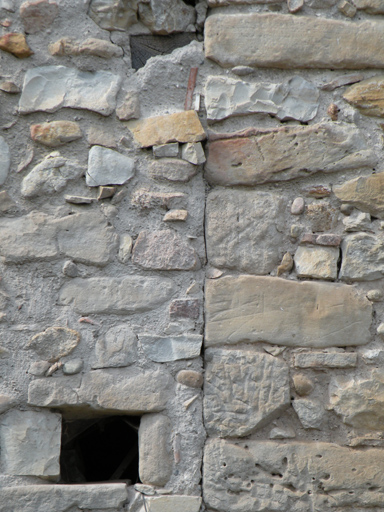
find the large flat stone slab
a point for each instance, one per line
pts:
(243, 391)
(281, 41)
(282, 312)
(239, 235)
(262, 476)
(125, 295)
(364, 192)
(286, 153)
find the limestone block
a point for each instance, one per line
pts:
(16, 44)
(365, 193)
(173, 503)
(108, 167)
(357, 221)
(124, 295)
(113, 16)
(367, 95)
(130, 108)
(38, 15)
(282, 312)
(317, 262)
(118, 347)
(55, 133)
(5, 160)
(30, 443)
(125, 248)
(179, 127)
(362, 257)
(239, 235)
(163, 349)
(294, 99)
(325, 360)
(155, 463)
(49, 88)
(54, 343)
(167, 16)
(243, 391)
(310, 412)
(193, 152)
(144, 198)
(370, 6)
(166, 150)
(280, 41)
(61, 498)
(57, 392)
(286, 153)
(172, 169)
(270, 475)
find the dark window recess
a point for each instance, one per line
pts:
(146, 46)
(100, 450)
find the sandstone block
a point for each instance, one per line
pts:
(243, 391)
(176, 216)
(163, 349)
(54, 343)
(155, 464)
(118, 347)
(286, 153)
(5, 160)
(370, 6)
(367, 95)
(164, 250)
(190, 378)
(179, 127)
(92, 46)
(238, 233)
(15, 44)
(362, 257)
(317, 262)
(38, 15)
(281, 312)
(365, 193)
(55, 133)
(108, 167)
(169, 503)
(30, 443)
(327, 360)
(280, 41)
(49, 88)
(124, 295)
(172, 169)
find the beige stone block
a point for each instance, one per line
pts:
(55, 133)
(367, 96)
(365, 193)
(317, 262)
(155, 462)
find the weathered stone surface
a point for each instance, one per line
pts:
(30, 443)
(9, 87)
(375, 295)
(163, 349)
(155, 464)
(73, 366)
(61, 498)
(5, 160)
(126, 294)
(220, 3)
(295, 5)
(92, 46)
(280, 41)
(108, 167)
(295, 99)
(56, 133)
(243, 391)
(286, 264)
(145, 198)
(15, 44)
(310, 412)
(370, 6)
(38, 15)
(130, 108)
(125, 248)
(268, 475)
(193, 152)
(184, 308)
(303, 384)
(164, 250)
(281, 312)
(166, 150)
(287, 153)
(365, 193)
(238, 233)
(39, 368)
(8, 5)
(317, 262)
(297, 206)
(49, 88)
(282, 433)
(368, 95)
(326, 360)
(362, 257)
(357, 221)
(322, 216)
(54, 343)
(118, 347)
(190, 378)
(168, 503)
(167, 16)
(179, 127)
(359, 400)
(176, 216)
(347, 8)
(50, 175)
(172, 169)
(113, 16)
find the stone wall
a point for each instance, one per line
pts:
(191, 220)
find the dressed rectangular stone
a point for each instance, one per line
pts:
(155, 463)
(282, 312)
(281, 41)
(318, 262)
(174, 503)
(328, 360)
(362, 257)
(162, 349)
(286, 153)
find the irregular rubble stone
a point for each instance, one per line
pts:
(238, 233)
(250, 475)
(125, 249)
(15, 44)
(167, 16)
(113, 16)
(298, 205)
(321, 216)
(164, 250)
(108, 167)
(38, 15)
(327, 360)
(184, 308)
(342, 80)
(359, 400)
(79, 199)
(92, 46)
(295, 5)
(317, 262)
(367, 95)
(144, 198)
(286, 264)
(176, 216)
(310, 412)
(8, 5)
(303, 384)
(358, 221)
(370, 6)
(375, 295)
(5, 160)
(219, 3)
(167, 503)
(172, 169)
(61, 498)
(118, 347)
(9, 87)
(243, 391)
(49, 88)
(282, 312)
(362, 257)
(365, 193)
(73, 366)
(130, 108)
(347, 8)
(179, 127)
(166, 150)
(295, 99)
(6, 402)
(126, 294)
(318, 191)
(155, 463)
(286, 153)
(190, 378)
(55, 133)
(106, 192)
(282, 433)
(320, 4)
(293, 41)
(163, 349)
(54, 343)
(30, 444)
(193, 152)
(50, 175)
(39, 368)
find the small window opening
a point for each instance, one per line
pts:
(100, 450)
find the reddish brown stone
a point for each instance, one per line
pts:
(318, 191)
(321, 216)
(184, 308)
(308, 238)
(38, 15)
(16, 44)
(329, 239)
